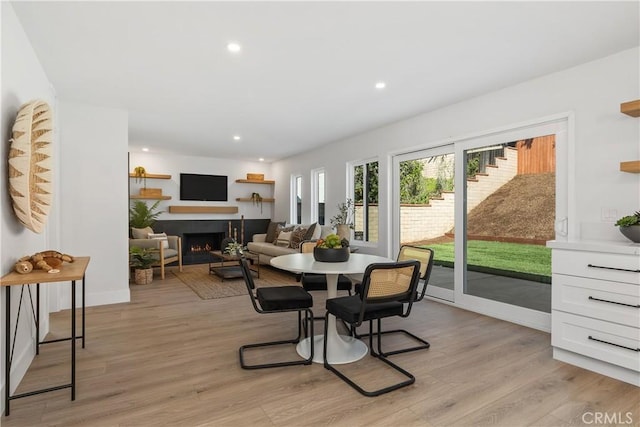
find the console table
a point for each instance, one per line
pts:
(70, 272)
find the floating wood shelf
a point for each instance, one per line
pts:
(254, 181)
(631, 108)
(137, 196)
(249, 199)
(631, 167)
(203, 209)
(152, 176)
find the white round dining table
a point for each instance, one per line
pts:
(341, 348)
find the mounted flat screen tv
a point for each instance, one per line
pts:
(211, 188)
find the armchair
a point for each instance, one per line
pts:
(163, 255)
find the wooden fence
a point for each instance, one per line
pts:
(537, 155)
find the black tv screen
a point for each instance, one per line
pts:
(212, 188)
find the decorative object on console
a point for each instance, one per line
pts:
(630, 226)
(343, 221)
(47, 261)
(30, 164)
(331, 249)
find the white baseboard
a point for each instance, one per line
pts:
(95, 298)
(19, 367)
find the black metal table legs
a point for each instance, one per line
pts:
(9, 347)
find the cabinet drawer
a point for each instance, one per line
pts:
(601, 299)
(609, 342)
(597, 265)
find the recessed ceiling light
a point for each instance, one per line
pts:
(380, 85)
(145, 149)
(236, 137)
(261, 159)
(234, 47)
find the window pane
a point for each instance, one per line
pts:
(298, 217)
(321, 198)
(365, 194)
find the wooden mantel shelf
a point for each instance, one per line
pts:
(151, 176)
(204, 209)
(631, 108)
(249, 199)
(137, 196)
(631, 167)
(254, 181)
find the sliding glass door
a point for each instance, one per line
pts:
(425, 208)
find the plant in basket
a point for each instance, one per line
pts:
(331, 249)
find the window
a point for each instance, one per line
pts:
(296, 199)
(317, 196)
(364, 178)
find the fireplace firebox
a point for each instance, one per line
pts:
(196, 246)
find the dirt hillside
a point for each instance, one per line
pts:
(522, 208)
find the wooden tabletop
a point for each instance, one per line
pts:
(68, 271)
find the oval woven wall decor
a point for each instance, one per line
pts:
(30, 164)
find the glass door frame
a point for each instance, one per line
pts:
(556, 125)
(562, 126)
(432, 291)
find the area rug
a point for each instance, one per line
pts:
(210, 286)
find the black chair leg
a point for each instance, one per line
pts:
(308, 316)
(410, 378)
(423, 344)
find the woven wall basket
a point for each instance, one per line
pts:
(30, 165)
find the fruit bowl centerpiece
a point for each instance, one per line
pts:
(331, 249)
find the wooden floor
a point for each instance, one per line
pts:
(170, 358)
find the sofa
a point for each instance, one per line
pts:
(284, 240)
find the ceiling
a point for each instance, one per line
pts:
(305, 75)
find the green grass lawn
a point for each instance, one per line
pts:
(531, 262)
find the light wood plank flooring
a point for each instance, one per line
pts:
(169, 358)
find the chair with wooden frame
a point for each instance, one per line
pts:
(385, 289)
(278, 299)
(425, 256)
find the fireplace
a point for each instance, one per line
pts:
(214, 229)
(196, 246)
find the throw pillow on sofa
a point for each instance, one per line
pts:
(297, 237)
(284, 239)
(160, 236)
(272, 231)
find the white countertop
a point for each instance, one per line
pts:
(610, 246)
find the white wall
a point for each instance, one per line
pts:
(234, 169)
(603, 138)
(94, 143)
(21, 82)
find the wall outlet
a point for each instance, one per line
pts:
(609, 215)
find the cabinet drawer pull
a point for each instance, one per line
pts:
(615, 345)
(614, 302)
(612, 268)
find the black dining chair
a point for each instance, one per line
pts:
(278, 299)
(385, 289)
(425, 256)
(318, 282)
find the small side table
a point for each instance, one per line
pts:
(232, 271)
(70, 272)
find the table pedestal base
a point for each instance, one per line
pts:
(342, 349)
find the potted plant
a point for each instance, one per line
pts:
(630, 226)
(343, 221)
(141, 175)
(141, 215)
(256, 199)
(142, 260)
(332, 248)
